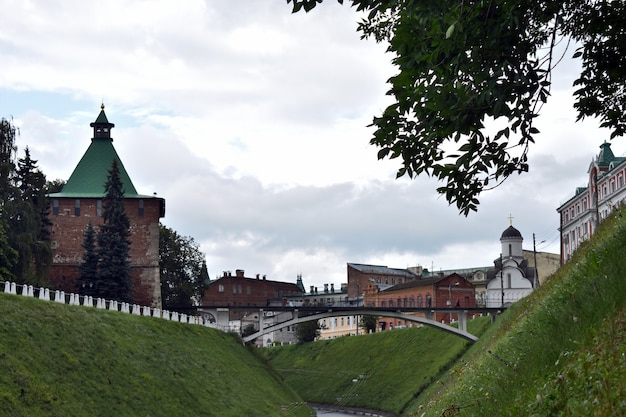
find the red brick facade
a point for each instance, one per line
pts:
(237, 290)
(360, 276)
(432, 292)
(70, 217)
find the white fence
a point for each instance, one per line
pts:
(100, 303)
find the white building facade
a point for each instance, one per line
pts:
(605, 190)
(512, 278)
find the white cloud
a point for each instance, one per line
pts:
(252, 123)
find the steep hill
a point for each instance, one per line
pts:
(60, 360)
(380, 371)
(559, 351)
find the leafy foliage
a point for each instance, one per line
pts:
(113, 280)
(463, 64)
(307, 331)
(182, 268)
(368, 323)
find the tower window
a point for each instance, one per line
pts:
(140, 211)
(55, 207)
(510, 250)
(99, 208)
(76, 208)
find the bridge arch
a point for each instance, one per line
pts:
(460, 331)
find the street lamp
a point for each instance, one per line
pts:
(536, 285)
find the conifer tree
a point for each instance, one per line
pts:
(114, 280)
(8, 255)
(30, 223)
(88, 269)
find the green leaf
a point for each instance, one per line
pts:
(450, 31)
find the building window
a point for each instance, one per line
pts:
(234, 289)
(76, 208)
(55, 207)
(510, 250)
(140, 210)
(508, 280)
(585, 205)
(99, 208)
(390, 303)
(419, 301)
(429, 301)
(248, 290)
(220, 288)
(383, 303)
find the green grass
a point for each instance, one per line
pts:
(381, 371)
(58, 360)
(559, 352)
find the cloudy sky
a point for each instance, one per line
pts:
(252, 123)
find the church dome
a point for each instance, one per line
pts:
(511, 233)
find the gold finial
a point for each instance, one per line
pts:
(510, 220)
(102, 106)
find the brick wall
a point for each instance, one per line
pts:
(69, 222)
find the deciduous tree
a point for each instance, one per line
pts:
(182, 268)
(307, 331)
(463, 64)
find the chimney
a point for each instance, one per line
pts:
(258, 276)
(332, 288)
(264, 276)
(312, 289)
(325, 288)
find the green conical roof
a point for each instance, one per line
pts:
(91, 173)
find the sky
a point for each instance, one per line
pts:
(252, 123)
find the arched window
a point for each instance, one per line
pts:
(419, 301)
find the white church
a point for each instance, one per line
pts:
(512, 278)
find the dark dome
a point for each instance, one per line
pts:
(511, 232)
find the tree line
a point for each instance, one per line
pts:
(26, 246)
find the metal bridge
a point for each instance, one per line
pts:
(308, 313)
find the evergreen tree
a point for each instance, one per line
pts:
(8, 254)
(30, 223)
(114, 280)
(88, 269)
(7, 158)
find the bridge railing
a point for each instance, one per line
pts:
(62, 297)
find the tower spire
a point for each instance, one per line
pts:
(102, 127)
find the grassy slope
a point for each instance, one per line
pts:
(383, 371)
(560, 351)
(58, 360)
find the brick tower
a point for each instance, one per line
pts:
(80, 202)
